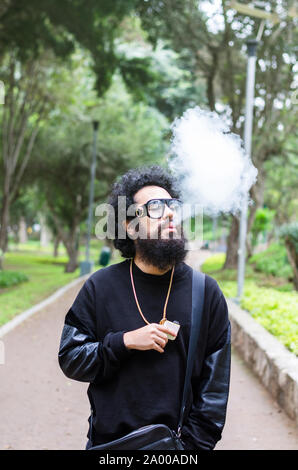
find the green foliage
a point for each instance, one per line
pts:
(273, 261)
(158, 75)
(131, 134)
(210, 38)
(11, 278)
(262, 222)
(27, 204)
(137, 75)
(275, 310)
(290, 232)
(25, 295)
(281, 189)
(29, 26)
(214, 262)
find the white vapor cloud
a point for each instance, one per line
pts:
(214, 169)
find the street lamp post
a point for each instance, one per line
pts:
(250, 84)
(86, 266)
(274, 18)
(249, 104)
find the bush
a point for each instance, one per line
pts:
(262, 223)
(275, 310)
(273, 261)
(290, 231)
(11, 278)
(215, 262)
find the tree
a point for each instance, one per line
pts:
(27, 104)
(262, 224)
(25, 209)
(170, 86)
(29, 26)
(281, 189)
(130, 134)
(213, 46)
(35, 38)
(289, 233)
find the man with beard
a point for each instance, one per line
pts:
(116, 336)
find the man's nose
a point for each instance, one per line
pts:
(168, 213)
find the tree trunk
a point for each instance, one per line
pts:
(45, 233)
(4, 222)
(72, 256)
(22, 231)
(3, 230)
(210, 79)
(257, 194)
(56, 246)
(231, 261)
(293, 259)
(68, 237)
(72, 247)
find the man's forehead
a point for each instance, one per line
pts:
(150, 192)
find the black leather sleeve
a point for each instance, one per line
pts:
(81, 356)
(206, 419)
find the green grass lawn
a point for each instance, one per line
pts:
(45, 275)
(271, 301)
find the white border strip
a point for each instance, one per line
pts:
(19, 318)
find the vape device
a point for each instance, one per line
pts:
(173, 326)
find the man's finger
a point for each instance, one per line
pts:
(161, 340)
(158, 348)
(167, 331)
(162, 335)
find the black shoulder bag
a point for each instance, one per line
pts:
(160, 436)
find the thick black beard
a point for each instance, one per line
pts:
(162, 253)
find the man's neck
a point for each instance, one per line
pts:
(149, 268)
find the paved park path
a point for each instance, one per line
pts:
(41, 409)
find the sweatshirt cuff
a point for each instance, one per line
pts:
(117, 345)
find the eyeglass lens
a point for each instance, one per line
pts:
(156, 207)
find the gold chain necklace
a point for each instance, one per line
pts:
(138, 305)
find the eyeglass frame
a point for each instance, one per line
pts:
(163, 200)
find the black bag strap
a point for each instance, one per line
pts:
(198, 294)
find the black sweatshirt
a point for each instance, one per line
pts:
(131, 388)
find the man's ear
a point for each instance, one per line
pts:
(133, 228)
(127, 227)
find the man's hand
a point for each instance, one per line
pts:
(153, 336)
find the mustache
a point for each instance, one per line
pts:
(168, 222)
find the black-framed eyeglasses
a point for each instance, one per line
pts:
(155, 208)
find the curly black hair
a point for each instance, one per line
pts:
(128, 185)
